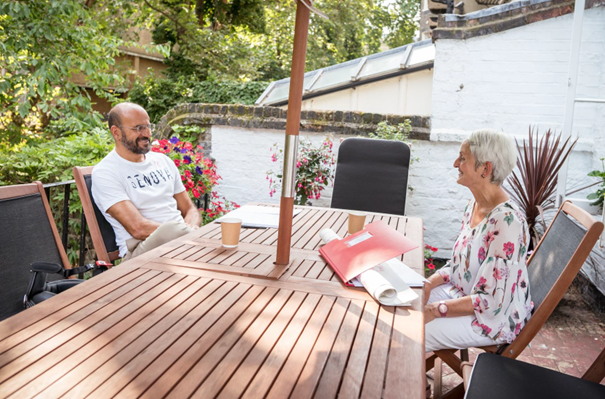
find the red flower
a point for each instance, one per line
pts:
(431, 266)
(509, 248)
(177, 162)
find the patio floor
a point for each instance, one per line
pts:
(569, 342)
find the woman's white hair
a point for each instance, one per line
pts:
(495, 147)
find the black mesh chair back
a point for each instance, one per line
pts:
(553, 255)
(109, 237)
(26, 236)
(499, 377)
(371, 175)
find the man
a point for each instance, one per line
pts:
(139, 192)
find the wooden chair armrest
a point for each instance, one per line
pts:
(467, 367)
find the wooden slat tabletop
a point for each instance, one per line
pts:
(192, 319)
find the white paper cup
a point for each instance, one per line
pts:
(357, 220)
(230, 229)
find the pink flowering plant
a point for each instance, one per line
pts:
(429, 266)
(315, 170)
(198, 174)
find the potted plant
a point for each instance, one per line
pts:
(314, 170)
(533, 186)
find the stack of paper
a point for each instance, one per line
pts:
(257, 216)
(389, 282)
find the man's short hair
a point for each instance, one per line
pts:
(114, 118)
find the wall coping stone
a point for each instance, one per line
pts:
(504, 17)
(267, 117)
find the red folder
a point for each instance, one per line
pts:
(373, 245)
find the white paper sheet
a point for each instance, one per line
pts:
(389, 283)
(257, 216)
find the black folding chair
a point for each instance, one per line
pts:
(498, 377)
(371, 175)
(27, 234)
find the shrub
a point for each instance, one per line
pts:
(158, 95)
(198, 174)
(52, 162)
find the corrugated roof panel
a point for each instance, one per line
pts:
(336, 76)
(379, 65)
(421, 54)
(342, 75)
(278, 93)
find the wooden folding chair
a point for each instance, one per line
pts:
(497, 377)
(101, 232)
(551, 269)
(27, 234)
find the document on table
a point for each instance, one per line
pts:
(257, 216)
(389, 282)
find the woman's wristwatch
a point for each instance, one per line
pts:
(442, 308)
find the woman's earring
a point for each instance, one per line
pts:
(483, 175)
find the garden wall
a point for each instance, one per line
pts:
(488, 75)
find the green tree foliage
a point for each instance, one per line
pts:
(253, 39)
(53, 161)
(158, 95)
(50, 50)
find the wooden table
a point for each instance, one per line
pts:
(194, 319)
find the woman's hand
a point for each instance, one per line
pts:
(429, 312)
(427, 291)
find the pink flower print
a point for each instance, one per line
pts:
(481, 284)
(486, 329)
(523, 284)
(477, 304)
(489, 237)
(518, 329)
(497, 274)
(509, 248)
(481, 255)
(513, 289)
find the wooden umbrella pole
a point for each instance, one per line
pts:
(297, 76)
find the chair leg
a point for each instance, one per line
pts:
(438, 379)
(450, 358)
(464, 355)
(455, 393)
(430, 361)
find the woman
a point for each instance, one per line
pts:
(482, 296)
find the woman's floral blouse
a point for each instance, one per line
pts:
(488, 263)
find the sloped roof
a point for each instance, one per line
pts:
(398, 61)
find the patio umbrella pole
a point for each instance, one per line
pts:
(297, 75)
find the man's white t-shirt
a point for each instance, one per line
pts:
(150, 185)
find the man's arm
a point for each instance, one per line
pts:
(129, 216)
(188, 210)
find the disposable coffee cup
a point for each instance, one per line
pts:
(356, 221)
(230, 228)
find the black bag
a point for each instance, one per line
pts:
(39, 290)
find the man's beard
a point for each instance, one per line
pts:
(133, 145)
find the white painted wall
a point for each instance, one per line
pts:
(402, 95)
(509, 81)
(243, 157)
